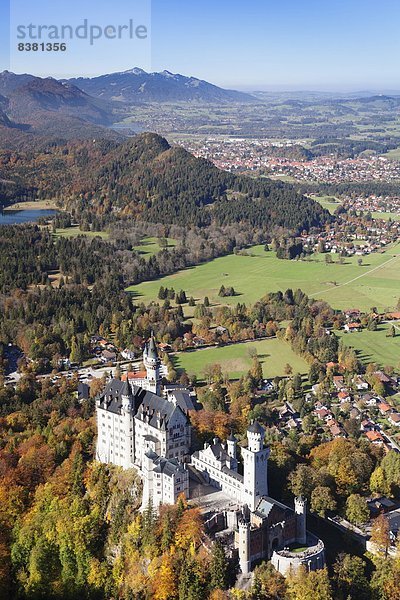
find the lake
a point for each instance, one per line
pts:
(14, 217)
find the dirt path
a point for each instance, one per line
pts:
(356, 278)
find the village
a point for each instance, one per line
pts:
(353, 235)
(263, 156)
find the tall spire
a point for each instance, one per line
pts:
(152, 347)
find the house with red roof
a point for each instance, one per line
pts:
(375, 437)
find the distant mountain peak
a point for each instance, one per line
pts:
(167, 73)
(136, 85)
(134, 71)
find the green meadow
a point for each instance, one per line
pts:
(329, 202)
(375, 283)
(386, 216)
(151, 245)
(70, 232)
(375, 346)
(235, 359)
(393, 154)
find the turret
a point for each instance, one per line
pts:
(244, 546)
(255, 437)
(152, 365)
(231, 443)
(300, 507)
(255, 466)
(126, 396)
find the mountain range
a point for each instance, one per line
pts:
(85, 107)
(32, 105)
(136, 85)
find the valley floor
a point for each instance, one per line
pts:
(375, 283)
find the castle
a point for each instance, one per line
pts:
(139, 428)
(143, 425)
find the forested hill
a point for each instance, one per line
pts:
(146, 178)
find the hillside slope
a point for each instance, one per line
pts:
(48, 107)
(144, 177)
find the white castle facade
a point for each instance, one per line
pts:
(139, 427)
(218, 464)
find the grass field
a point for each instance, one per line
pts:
(374, 346)
(375, 283)
(150, 246)
(235, 359)
(75, 231)
(33, 205)
(328, 202)
(394, 154)
(386, 216)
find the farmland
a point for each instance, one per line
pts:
(151, 245)
(235, 359)
(375, 346)
(70, 232)
(375, 283)
(329, 202)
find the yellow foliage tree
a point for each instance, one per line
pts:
(165, 585)
(189, 530)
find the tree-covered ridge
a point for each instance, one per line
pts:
(146, 178)
(169, 185)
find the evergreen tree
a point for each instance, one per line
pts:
(190, 585)
(218, 567)
(75, 355)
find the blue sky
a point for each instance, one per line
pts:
(257, 44)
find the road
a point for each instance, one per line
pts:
(394, 258)
(85, 374)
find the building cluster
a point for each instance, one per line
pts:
(262, 156)
(374, 417)
(353, 236)
(374, 204)
(329, 169)
(145, 425)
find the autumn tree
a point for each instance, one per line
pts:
(357, 510)
(165, 583)
(303, 585)
(378, 483)
(380, 534)
(189, 530)
(301, 481)
(268, 584)
(322, 500)
(350, 578)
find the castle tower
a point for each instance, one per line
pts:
(300, 507)
(152, 365)
(255, 466)
(231, 443)
(244, 547)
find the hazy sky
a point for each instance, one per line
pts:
(257, 44)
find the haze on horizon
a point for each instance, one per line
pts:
(261, 45)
